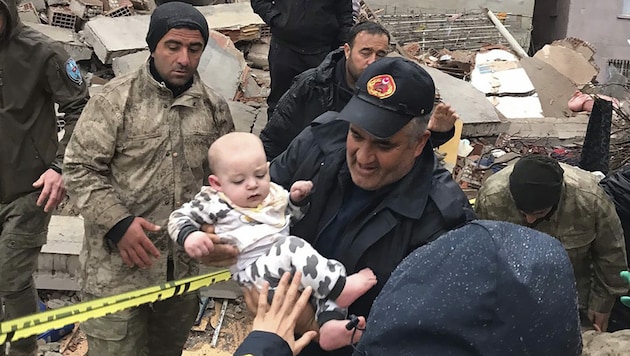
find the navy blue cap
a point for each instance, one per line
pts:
(390, 92)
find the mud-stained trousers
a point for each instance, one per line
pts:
(22, 233)
(154, 329)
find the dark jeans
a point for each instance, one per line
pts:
(284, 64)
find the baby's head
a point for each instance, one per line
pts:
(239, 168)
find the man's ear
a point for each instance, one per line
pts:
(214, 182)
(346, 50)
(422, 141)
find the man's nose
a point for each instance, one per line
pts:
(183, 59)
(530, 218)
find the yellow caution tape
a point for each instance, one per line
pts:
(35, 324)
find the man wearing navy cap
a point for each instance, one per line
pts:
(378, 194)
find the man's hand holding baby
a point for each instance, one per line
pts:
(300, 190)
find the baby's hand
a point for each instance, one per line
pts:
(198, 244)
(300, 190)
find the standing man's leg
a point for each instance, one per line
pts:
(121, 334)
(170, 321)
(22, 233)
(284, 65)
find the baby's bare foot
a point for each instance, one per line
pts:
(356, 285)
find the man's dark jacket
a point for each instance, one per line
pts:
(307, 26)
(33, 76)
(314, 92)
(419, 208)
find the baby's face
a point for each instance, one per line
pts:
(245, 179)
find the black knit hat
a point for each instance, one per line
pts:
(536, 183)
(175, 15)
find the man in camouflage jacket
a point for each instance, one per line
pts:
(138, 153)
(35, 73)
(568, 204)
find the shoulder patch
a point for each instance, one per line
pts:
(73, 72)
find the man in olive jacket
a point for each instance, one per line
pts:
(35, 73)
(139, 152)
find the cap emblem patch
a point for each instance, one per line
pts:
(381, 86)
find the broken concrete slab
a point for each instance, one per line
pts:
(562, 128)
(28, 13)
(258, 55)
(230, 16)
(59, 258)
(86, 9)
(554, 89)
(223, 67)
(113, 37)
(118, 36)
(244, 116)
(471, 105)
(129, 63)
(571, 63)
(505, 83)
(68, 39)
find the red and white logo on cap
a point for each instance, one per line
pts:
(381, 86)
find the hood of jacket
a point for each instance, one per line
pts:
(10, 7)
(488, 288)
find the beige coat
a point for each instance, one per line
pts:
(138, 151)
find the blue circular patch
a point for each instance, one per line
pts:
(73, 72)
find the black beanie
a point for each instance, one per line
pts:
(536, 183)
(175, 15)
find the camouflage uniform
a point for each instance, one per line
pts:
(585, 222)
(137, 151)
(35, 73)
(605, 344)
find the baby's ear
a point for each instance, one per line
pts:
(214, 182)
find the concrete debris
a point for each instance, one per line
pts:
(28, 13)
(62, 16)
(258, 55)
(553, 88)
(86, 9)
(471, 105)
(68, 39)
(237, 20)
(499, 75)
(59, 257)
(244, 116)
(458, 63)
(570, 62)
(233, 75)
(40, 5)
(116, 37)
(129, 63)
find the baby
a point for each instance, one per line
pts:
(254, 214)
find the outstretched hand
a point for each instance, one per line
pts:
(281, 316)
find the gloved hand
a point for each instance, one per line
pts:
(626, 276)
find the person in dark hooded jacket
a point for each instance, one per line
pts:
(488, 288)
(617, 186)
(330, 86)
(35, 73)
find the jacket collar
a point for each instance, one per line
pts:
(187, 98)
(325, 72)
(408, 196)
